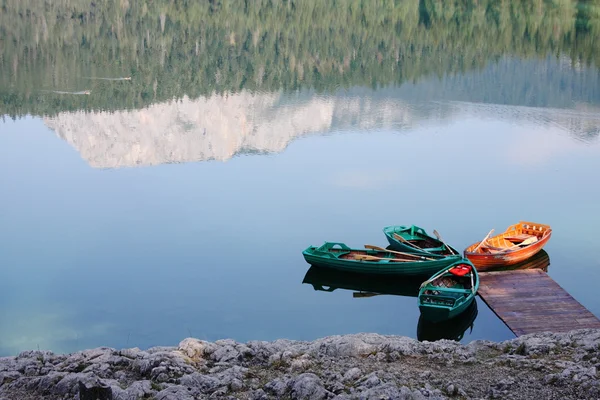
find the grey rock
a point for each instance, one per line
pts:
(352, 374)
(118, 361)
(308, 386)
(220, 393)
(278, 387)
(171, 363)
(226, 342)
(92, 354)
(140, 390)
(245, 351)
(261, 350)
(451, 390)
(390, 391)
(336, 387)
(94, 389)
(162, 377)
(132, 353)
(161, 349)
(119, 394)
(349, 346)
(258, 394)
(49, 381)
(300, 364)
(591, 372)
(144, 366)
(31, 370)
(204, 383)
(69, 384)
(9, 376)
(175, 393)
(505, 384)
(551, 378)
(370, 381)
(236, 385)
(196, 349)
(230, 374)
(342, 396)
(425, 374)
(226, 354)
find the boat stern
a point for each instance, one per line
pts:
(435, 313)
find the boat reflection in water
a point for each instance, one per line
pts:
(539, 261)
(365, 285)
(452, 329)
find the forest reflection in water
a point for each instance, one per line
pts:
(193, 49)
(171, 83)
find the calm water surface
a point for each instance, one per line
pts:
(178, 203)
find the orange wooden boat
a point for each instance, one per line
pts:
(518, 243)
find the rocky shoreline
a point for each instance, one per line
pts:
(361, 366)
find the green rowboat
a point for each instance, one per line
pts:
(343, 258)
(412, 239)
(449, 292)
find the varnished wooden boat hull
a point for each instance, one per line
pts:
(488, 261)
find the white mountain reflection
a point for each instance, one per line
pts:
(220, 126)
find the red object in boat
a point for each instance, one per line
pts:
(460, 270)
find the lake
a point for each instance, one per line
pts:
(177, 203)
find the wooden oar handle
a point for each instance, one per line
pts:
(400, 238)
(484, 239)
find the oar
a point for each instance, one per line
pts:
(366, 257)
(439, 237)
(523, 243)
(484, 239)
(373, 247)
(400, 238)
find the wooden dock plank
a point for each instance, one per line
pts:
(529, 301)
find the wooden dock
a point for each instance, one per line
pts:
(529, 301)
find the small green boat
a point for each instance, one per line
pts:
(449, 292)
(370, 261)
(412, 239)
